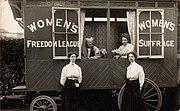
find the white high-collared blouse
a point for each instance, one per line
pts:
(134, 72)
(71, 70)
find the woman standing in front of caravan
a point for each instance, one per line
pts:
(71, 77)
(131, 100)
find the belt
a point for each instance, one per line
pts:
(131, 79)
(72, 78)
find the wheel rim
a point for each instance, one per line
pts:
(43, 103)
(151, 96)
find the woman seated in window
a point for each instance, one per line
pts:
(124, 49)
(90, 51)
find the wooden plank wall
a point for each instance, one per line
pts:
(97, 74)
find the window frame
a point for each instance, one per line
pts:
(66, 33)
(150, 56)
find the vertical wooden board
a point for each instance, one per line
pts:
(170, 35)
(169, 64)
(38, 34)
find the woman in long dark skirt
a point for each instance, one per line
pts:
(131, 100)
(71, 77)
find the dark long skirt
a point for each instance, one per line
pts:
(71, 96)
(131, 100)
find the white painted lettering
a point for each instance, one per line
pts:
(167, 43)
(172, 26)
(74, 28)
(142, 26)
(28, 43)
(141, 43)
(66, 24)
(42, 43)
(171, 43)
(148, 23)
(59, 43)
(48, 23)
(63, 43)
(32, 27)
(38, 44)
(160, 23)
(58, 22)
(33, 43)
(40, 23)
(158, 44)
(166, 24)
(154, 23)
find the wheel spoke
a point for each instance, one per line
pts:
(46, 102)
(40, 101)
(49, 105)
(151, 100)
(150, 105)
(36, 107)
(148, 91)
(38, 104)
(145, 87)
(50, 108)
(147, 108)
(151, 95)
(43, 101)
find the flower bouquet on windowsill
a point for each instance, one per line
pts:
(103, 52)
(116, 53)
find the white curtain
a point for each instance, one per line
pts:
(131, 22)
(82, 21)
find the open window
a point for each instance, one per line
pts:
(150, 33)
(107, 26)
(65, 32)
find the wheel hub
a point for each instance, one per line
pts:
(43, 108)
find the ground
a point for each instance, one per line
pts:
(102, 101)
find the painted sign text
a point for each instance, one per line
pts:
(157, 23)
(59, 43)
(61, 23)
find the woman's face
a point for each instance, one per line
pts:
(124, 41)
(73, 58)
(89, 43)
(131, 58)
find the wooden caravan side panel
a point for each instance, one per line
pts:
(97, 74)
(168, 66)
(43, 73)
(162, 72)
(38, 33)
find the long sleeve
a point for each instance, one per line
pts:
(123, 50)
(97, 51)
(80, 75)
(63, 76)
(141, 77)
(130, 48)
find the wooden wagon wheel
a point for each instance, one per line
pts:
(151, 96)
(43, 103)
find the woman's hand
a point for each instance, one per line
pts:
(77, 84)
